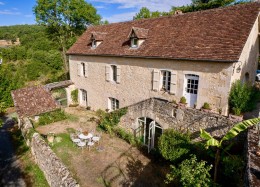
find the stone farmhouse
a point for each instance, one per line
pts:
(196, 55)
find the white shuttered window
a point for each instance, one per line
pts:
(113, 73)
(173, 87)
(156, 79)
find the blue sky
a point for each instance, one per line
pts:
(14, 12)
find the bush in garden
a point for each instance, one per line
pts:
(74, 95)
(239, 97)
(190, 173)
(1, 122)
(233, 170)
(51, 117)
(109, 120)
(174, 145)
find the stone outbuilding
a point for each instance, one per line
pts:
(32, 101)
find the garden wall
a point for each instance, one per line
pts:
(56, 173)
(169, 115)
(252, 175)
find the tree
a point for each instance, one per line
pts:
(64, 20)
(198, 5)
(143, 13)
(233, 132)
(146, 13)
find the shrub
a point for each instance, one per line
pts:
(174, 101)
(183, 100)
(74, 95)
(128, 137)
(51, 117)
(190, 173)
(110, 120)
(206, 106)
(239, 96)
(233, 167)
(2, 108)
(1, 122)
(236, 111)
(174, 145)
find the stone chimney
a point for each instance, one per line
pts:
(178, 12)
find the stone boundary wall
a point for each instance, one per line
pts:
(252, 175)
(56, 173)
(169, 115)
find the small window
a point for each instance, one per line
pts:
(246, 78)
(114, 104)
(166, 80)
(114, 73)
(83, 69)
(94, 43)
(134, 42)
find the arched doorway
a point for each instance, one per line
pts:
(148, 131)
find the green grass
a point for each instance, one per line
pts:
(64, 148)
(32, 173)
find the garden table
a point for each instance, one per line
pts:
(85, 137)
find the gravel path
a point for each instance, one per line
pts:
(10, 172)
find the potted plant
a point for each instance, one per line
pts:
(236, 116)
(206, 107)
(174, 102)
(182, 103)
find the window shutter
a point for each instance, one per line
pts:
(118, 75)
(79, 68)
(86, 69)
(156, 79)
(108, 72)
(173, 88)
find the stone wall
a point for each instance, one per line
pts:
(252, 175)
(56, 173)
(169, 115)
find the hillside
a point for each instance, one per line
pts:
(37, 60)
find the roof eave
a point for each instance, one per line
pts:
(155, 57)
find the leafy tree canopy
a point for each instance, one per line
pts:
(196, 5)
(64, 20)
(146, 13)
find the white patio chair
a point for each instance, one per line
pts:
(96, 138)
(79, 131)
(74, 138)
(81, 144)
(90, 144)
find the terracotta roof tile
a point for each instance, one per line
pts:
(32, 101)
(99, 36)
(139, 32)
(216, 34)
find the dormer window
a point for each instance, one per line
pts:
(134, 42)
(96, 39)
(137, 36)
